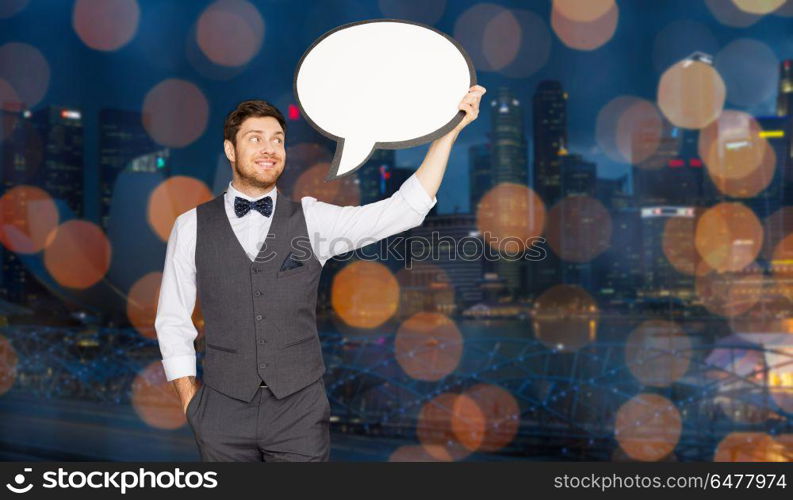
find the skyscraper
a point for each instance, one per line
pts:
(508, 164)
(122, 138)
(785, 95)
(479, 173)
(375, 175)
(62, 172)
(578, 176)
(550, 136)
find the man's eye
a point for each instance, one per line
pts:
(279, 140)
(254, 138)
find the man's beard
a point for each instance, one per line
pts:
(252, 180)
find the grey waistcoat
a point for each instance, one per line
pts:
(259, 321)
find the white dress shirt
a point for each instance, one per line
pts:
(332, 229)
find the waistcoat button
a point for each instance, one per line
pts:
(262, 365)
(259, 317)
(258, 292)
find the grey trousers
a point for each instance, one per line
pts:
(293, 429)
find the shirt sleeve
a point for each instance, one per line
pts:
(174, 322)
(335, 229)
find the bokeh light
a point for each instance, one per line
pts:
(9, 100)
(9, 8)
(691, 94)
(230, 32)
(586, 34)
(565, 318)
(648, 427)
(728, 236)
(78, 255)
(786, 10)
(501, 40)
(8, 365)
(579, 228)
(173, 197)
(422, 11)
(365, 294)
(142, 302)
(28, 216)
(428, 346)
(658, 353)
(768, 314)
(777, 227)
(679, 39)
(740, 161)
(729, 293)
(343, 191)
(728, 13)
(753, 183)
(512, 211)
(175, 112)
(155, 400)
(106, 24)
(749, 69)
(678, 244)
(434, 426)
(629, 129)
(500, 416)
(760, 7)
(534, 45)
(26, 70)
(412, 453)
(750, 447)
(490, 34)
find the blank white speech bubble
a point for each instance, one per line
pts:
(381, 84)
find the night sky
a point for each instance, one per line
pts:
(164, 47)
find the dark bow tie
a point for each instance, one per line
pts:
(264, 206)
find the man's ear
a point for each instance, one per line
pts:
(228, 147)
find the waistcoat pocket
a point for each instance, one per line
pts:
(219, 348)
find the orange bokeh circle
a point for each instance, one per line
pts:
(8, 365)
(499, 413)
(28, 216)
(155, 400)
(691, 94)
(728, 236)
(434, 426)
(428, 346)
(658, 353)
(648, 427)
(78, 255)
(365, 294)
(509, 212)
(749, 447)
(142, 303)
(173, 197)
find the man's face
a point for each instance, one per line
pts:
(259, 155)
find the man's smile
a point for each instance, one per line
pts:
(265, 163)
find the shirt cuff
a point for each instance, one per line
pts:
(416, 196)
(179, 366)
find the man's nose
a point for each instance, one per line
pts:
(267, 148)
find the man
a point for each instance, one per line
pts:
(263, 396)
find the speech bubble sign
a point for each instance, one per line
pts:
(381, 84)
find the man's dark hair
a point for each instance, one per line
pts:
(245, 110)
